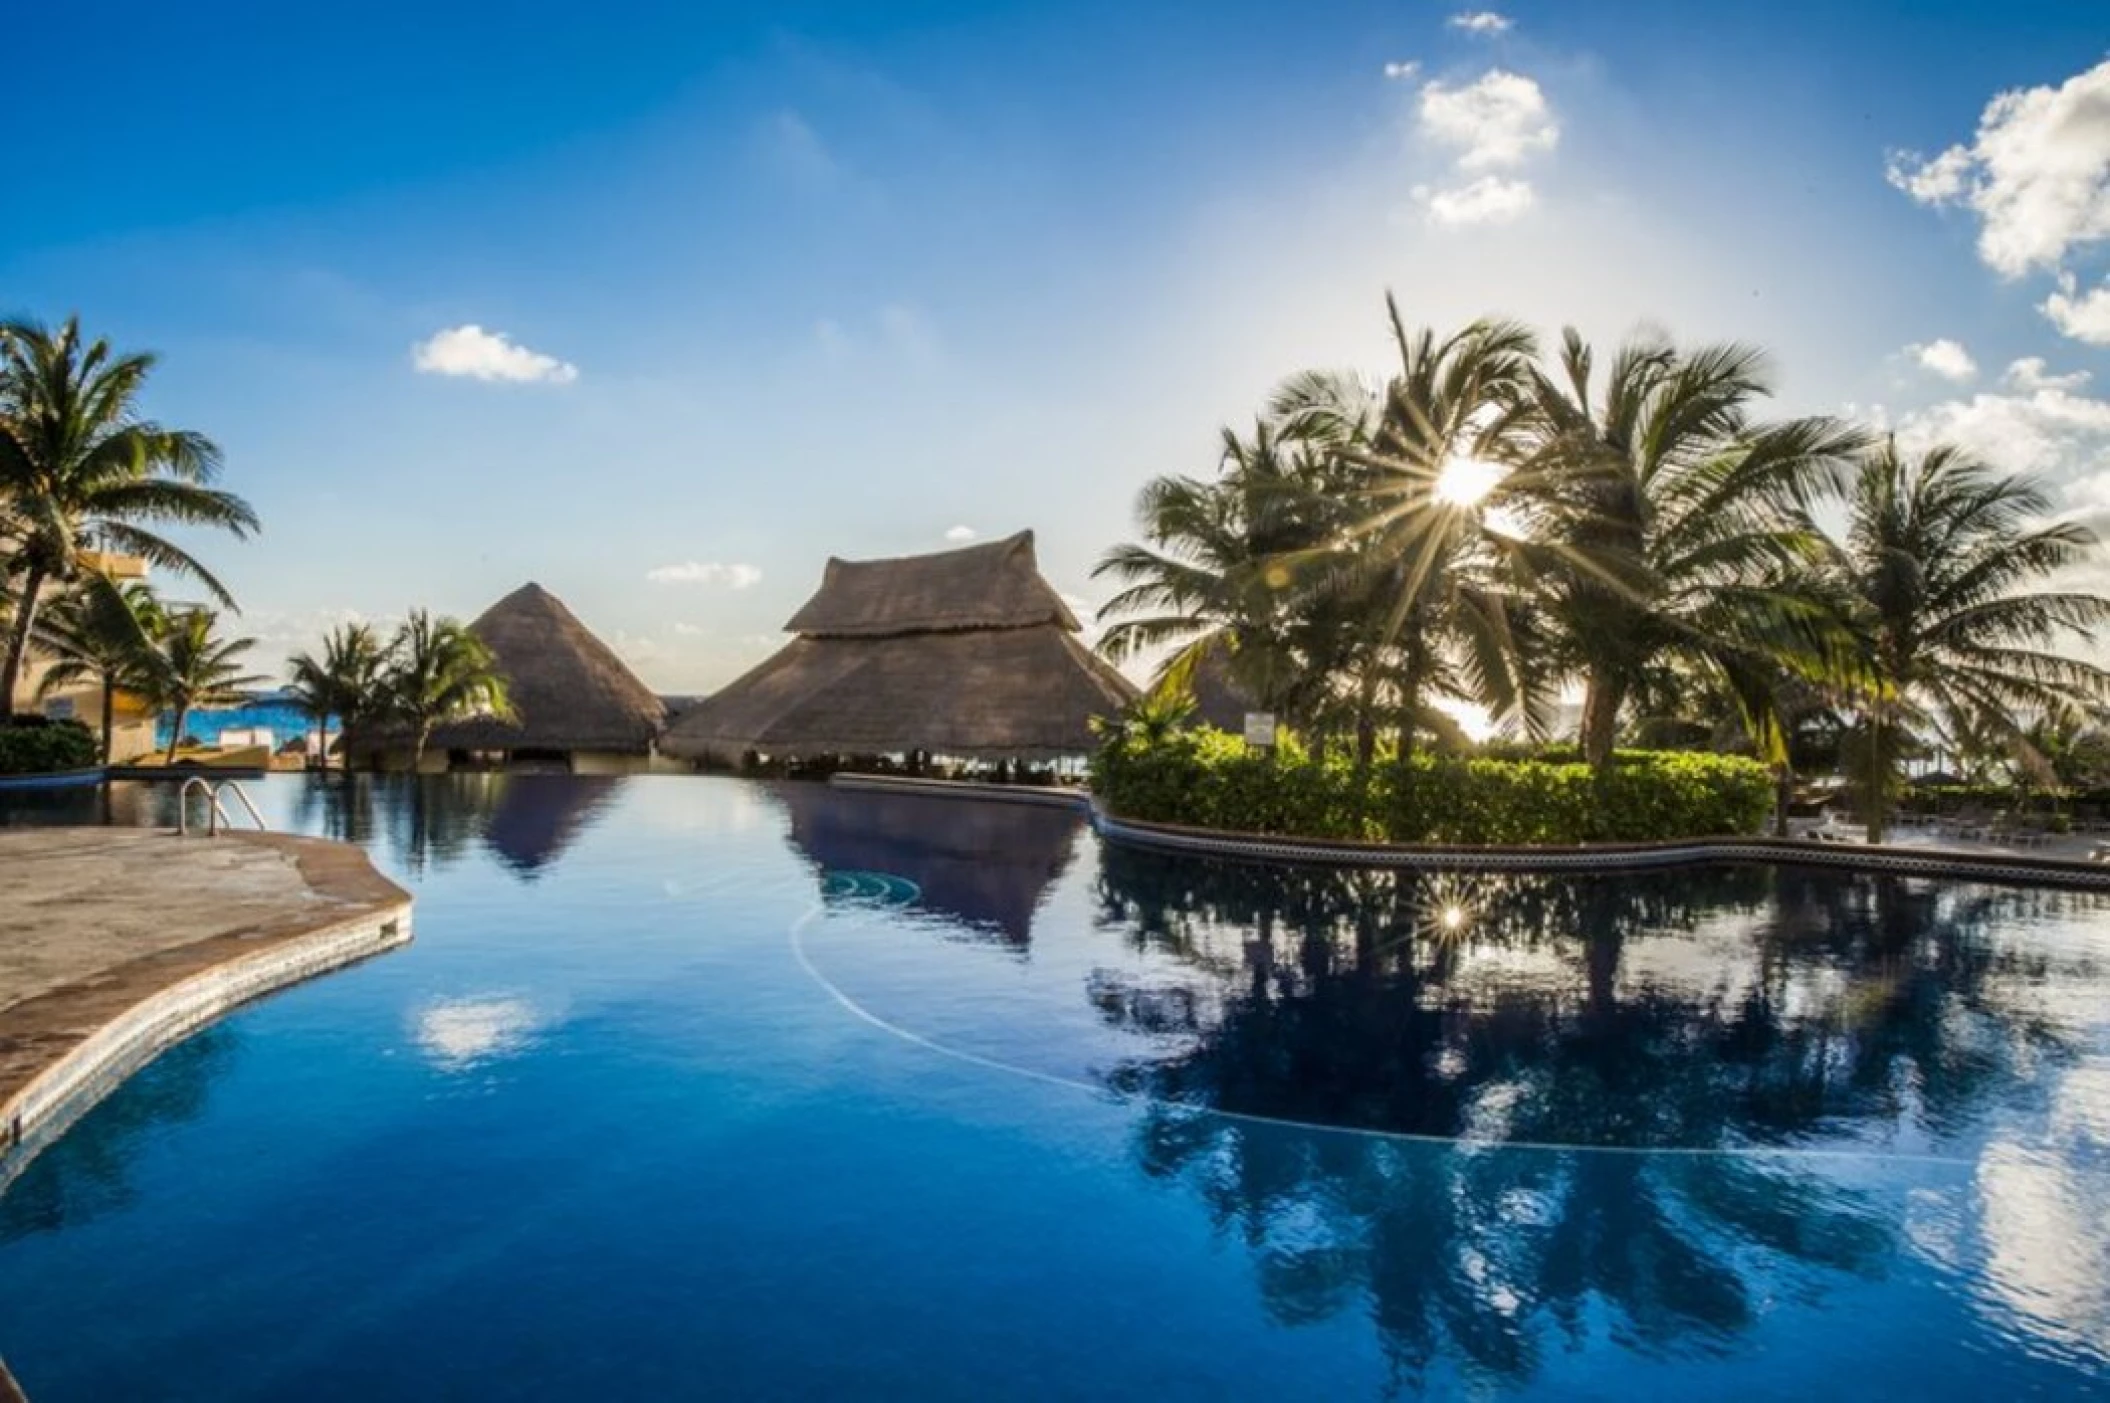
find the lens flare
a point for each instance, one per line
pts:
(1465, 482)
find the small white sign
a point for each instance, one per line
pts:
(1260, 728)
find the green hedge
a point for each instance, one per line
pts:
(33, 746)
(1211, 779)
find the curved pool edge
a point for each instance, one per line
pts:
(1262, 847)
(365, 915)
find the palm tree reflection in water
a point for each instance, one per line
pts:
(1717, 1009)
(526, 821)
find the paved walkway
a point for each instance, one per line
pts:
(2067, 847)
(95, 920)
(115, 942)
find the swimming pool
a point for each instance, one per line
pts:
(694, 1087)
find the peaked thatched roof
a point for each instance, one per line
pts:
(997, 585)
(569, 690)
(967, 653)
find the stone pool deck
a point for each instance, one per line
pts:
(116, 943)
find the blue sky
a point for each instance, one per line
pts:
(782, 281)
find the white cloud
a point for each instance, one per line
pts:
(469, 350)
(1400, 72)
(2038, 423)
(899, 332)
(1498, 121)
(688, 630)
(834, 341)
(705, 572)
(961, 534)
(2028, 374)
(1482, 22)
(2085, 316)
(1491, 199)
(1945, 358)
(908, 331)
(2037, 174)
(1501, 119)
(789, 145)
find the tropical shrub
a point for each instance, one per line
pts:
(1211, 779)
(32, 745)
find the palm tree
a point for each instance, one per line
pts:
(1946, 561)
(440, 672)
(1672, 523)
(195, 667)
(1419, 478)
(1201, 584)
(347, 682)
(106, 633)
(79, 468)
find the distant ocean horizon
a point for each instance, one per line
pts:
(272, 711)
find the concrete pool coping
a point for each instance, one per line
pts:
(107, 984)
(1915, 860)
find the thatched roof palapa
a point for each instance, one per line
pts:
(569, 690)
(966, 652)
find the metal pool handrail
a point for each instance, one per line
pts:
(215, 811)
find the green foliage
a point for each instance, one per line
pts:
(80, 468)
(438, 671)
(32, 745)
(1210, 779)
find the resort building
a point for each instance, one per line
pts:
(576, 705)
(132, 717)
(966, 654)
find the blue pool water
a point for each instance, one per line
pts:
(696, 1088)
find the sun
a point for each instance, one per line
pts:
(1465, 482)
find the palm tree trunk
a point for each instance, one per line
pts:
(109, 713)
(18, 640)
(1365, 722)
(1783, 795)
(176, 731)
(1409, 702)
(1600, 720)
(1878, 776)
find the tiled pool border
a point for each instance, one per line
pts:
(1257, 847)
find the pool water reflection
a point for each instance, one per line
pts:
(1112, 1123)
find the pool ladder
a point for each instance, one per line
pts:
(215, 811)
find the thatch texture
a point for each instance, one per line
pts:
(569, 690)
(889, 662)
(984, 866)
(992, 586)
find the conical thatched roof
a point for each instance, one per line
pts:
(967, 653)
(569, 690)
